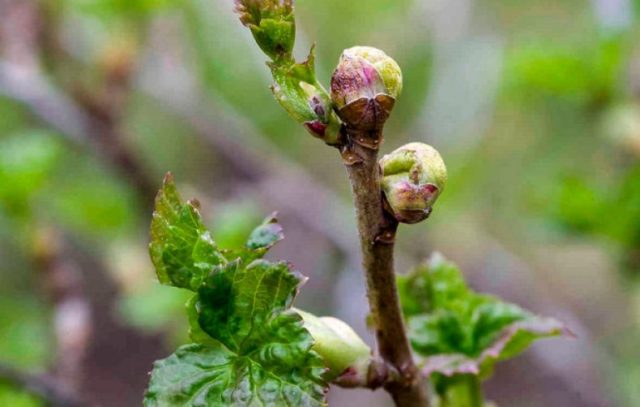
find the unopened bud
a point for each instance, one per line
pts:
(339, 346)
(413, 178)
(272, 24)
(364, 87)
(302, 96)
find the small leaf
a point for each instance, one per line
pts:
(304, 98)
(459, 331)
(266, 235)
(181, 248)
(262, 238)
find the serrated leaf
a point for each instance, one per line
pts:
(198, 375)
(181, 247)
(253, 349)
(459, 331)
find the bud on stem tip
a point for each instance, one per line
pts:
(364, 87)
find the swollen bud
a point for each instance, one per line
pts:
(364, 87)
(413, 177)
(272, 24)
(343, 351)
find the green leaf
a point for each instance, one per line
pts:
(181, 248)
(253, 349)
(27, 162)
(266, 235)
(198, 375)
(272, 24)
(304, 98)
(261, 239)
(15, 397)
(250, 347)
(459, 331)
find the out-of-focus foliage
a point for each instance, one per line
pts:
(458, 331)
(10, 396)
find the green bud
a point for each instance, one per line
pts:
(365, 86)
(302, 96)
(341, 348)
(272, 24)
(413, 178)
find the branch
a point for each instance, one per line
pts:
(73, 324)
(376, 239)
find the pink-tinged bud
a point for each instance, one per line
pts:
(364, 87)
(413, 178)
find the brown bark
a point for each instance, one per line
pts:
(376, 232)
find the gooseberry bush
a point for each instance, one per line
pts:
(437, 340)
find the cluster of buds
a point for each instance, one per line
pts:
(272, 24)
(413, 178)
(364, 88)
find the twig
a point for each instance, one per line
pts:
(376, 239)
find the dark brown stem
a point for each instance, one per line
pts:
(376, 232)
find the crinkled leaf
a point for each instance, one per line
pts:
(459, 331)
(181, 247)
(253, 349)
(244, 307)
(199, 375)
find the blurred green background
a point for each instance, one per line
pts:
(534, 104)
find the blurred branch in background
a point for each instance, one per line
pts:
(72, 319)
(85, 126)
(44, 386)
